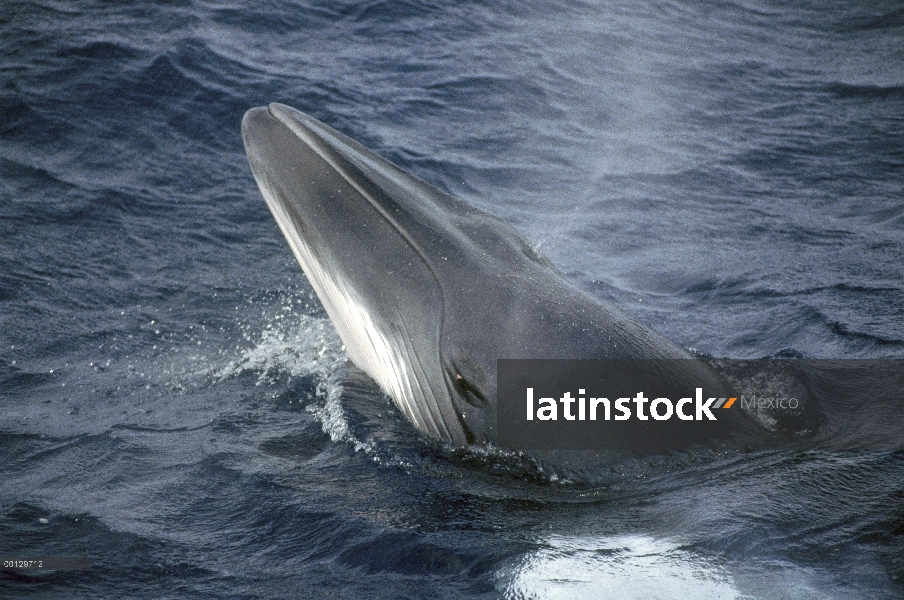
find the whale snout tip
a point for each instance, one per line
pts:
(265, 118)
(254, 117)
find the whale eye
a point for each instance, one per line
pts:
(470, 393)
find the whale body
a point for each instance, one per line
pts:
(426, 291)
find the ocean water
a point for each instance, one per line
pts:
(175, 404)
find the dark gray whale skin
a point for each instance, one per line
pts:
(426, 291)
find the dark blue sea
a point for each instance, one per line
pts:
(176, 405)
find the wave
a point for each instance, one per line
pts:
(865, 91)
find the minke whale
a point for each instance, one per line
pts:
(426, 291)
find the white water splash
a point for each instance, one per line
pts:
(298, 347)
(332, 416)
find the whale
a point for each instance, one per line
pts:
(426, 291)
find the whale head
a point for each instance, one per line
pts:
(426, 291)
